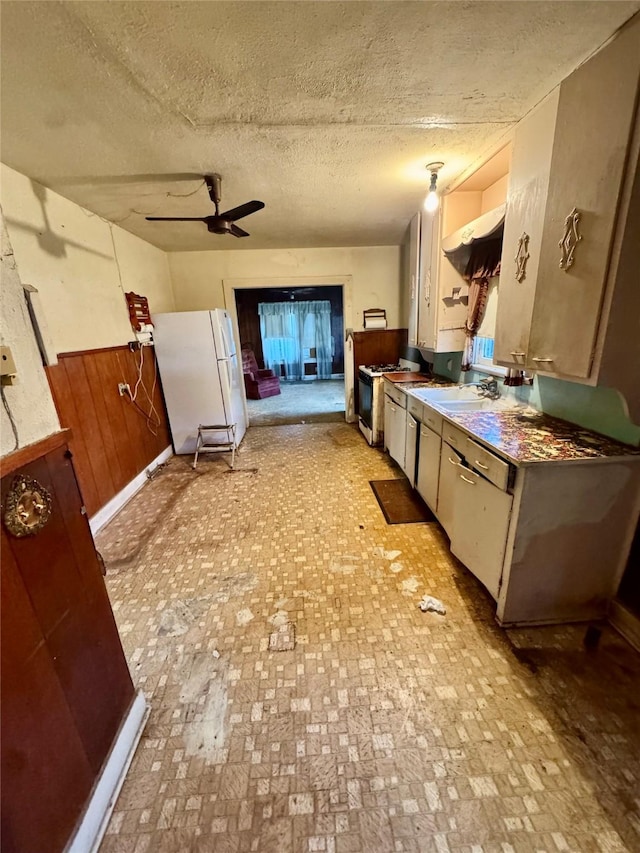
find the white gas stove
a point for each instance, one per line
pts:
(371, 397)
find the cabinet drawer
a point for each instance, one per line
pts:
(486, 463)
(455, 437)
(414, 407)
(397, 395)
(432, 419)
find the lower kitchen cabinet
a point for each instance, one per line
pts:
(429, 466)
(479, 526)
(450, 462)
(395, 425)
(411, 448)
(549, 540)
(570, 532)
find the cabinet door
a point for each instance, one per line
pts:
(480, 526)
(429, 466)
(413, 275)
(388, 422)
(398, 427)
(428, 290)
(410, 447)
(450, 464)
(394, 429)
(524, 220)
(595, 115)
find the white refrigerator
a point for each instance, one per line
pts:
(200, 375)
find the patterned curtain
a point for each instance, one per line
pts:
(286, 326)
(483, 264)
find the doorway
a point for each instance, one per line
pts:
(297, 334)
(316, 379)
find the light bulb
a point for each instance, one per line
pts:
(432, 202)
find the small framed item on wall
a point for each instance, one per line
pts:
(375, 318)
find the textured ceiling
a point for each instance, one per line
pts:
(327, 112)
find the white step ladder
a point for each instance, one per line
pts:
(204, 446)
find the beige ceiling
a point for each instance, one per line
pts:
(327, 112)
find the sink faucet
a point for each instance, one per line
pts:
(487, 387)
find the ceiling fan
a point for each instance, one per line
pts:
(218, 223)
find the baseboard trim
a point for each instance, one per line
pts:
(113, 507)
(93, 824)
(626, 623)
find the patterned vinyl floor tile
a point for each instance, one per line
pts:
(376, 727)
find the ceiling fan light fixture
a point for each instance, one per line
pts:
(432, 201)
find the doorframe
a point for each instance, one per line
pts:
(230, 285)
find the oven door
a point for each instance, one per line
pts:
(365, 390)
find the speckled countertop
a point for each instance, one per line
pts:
(417, 380)
(524, 435)
(528, 436)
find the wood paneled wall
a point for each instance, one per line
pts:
(376, 347)
(112, 441)
(65, 682)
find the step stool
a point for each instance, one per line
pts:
(203, 446)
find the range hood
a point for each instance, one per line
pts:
(457, 246)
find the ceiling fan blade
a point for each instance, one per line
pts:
(176, 218)
(238, 232)
(242, 210)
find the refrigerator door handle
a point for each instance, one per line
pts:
(229, 376)
(227, 343)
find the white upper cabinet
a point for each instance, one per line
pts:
(524, 220)
(565, 308)
(428, 291)
(592, 138)
(412, 278)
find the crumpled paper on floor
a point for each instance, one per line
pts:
(432, 604)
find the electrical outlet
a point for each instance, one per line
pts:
(123, 388)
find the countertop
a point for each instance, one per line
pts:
(409, 379)
(525, 436)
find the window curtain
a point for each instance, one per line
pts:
(484, 263)
(288, 328)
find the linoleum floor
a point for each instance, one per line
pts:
(301, 701)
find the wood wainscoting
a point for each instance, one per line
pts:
(112, 441)
(65, 683)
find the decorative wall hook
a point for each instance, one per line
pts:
(570, 239)
(522, 256)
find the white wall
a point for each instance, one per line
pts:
(29, 399)
(81, 265)
(197, 276)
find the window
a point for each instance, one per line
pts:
(483, 350)
(482, 357)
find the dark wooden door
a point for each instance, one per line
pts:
(65, 682)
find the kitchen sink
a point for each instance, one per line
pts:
(461, 398)
(439, 395)
(482, 405)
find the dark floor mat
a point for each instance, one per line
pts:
(400, 503)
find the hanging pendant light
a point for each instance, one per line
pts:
(432, 201)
